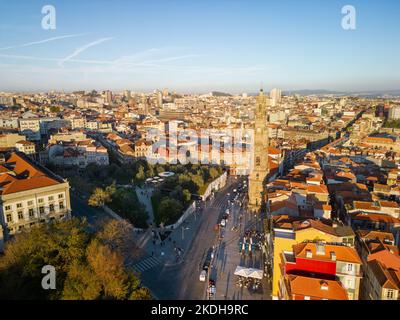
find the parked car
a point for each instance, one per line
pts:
(203, 276)
(223, 223)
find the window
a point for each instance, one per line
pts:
(41, 210)
(31, 213)
(51, 198)
(20, 215)
(60, 196)
(9, 218)
(40, 200)
(30, 203)
(390, 294)
(258, 161)
(7, 208)
(307, 298)
(61, 204)
(349, 267)
(52, 208)
(19, 205)
(349, 283)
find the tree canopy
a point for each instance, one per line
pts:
(88, 265)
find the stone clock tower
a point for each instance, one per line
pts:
(260, 154)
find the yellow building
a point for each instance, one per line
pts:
(288, 231)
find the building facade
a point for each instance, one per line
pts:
(30, 194)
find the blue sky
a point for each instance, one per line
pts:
(199, 45)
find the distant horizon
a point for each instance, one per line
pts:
(194, 92)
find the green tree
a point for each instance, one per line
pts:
(169, 211)
(87, 265)
(99, 197)
(214, 174)
(187, 196)
(54, 109)
(140, 175)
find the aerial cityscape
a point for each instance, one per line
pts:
(168, 150)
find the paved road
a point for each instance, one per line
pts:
(228, 256)
(181, 281)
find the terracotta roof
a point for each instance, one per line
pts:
(313, 288)
(343, 253)
(26, 176)
(321, 189)
(24, 142)
(274, 151)
(310, 223)
(390, 260)
(373, 234)
(376, 217)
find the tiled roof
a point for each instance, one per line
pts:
(26, 176)
(314, 288)
(343, 253)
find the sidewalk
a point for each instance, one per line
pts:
(144, 196)
(179, 240)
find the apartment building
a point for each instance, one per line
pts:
(26, 147)
(382, 276)
(30, 128)
(324, 260)
(289, 231)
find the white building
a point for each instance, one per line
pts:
(394, 113)
(276, 96)
(29, 195)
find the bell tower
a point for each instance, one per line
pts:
(259, 168)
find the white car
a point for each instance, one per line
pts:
(203, 276)
(223, 223)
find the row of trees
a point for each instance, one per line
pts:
(123, 201)
(88, 265)
(102, 176)
(175, 194)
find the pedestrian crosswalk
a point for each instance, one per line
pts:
(146, 264)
